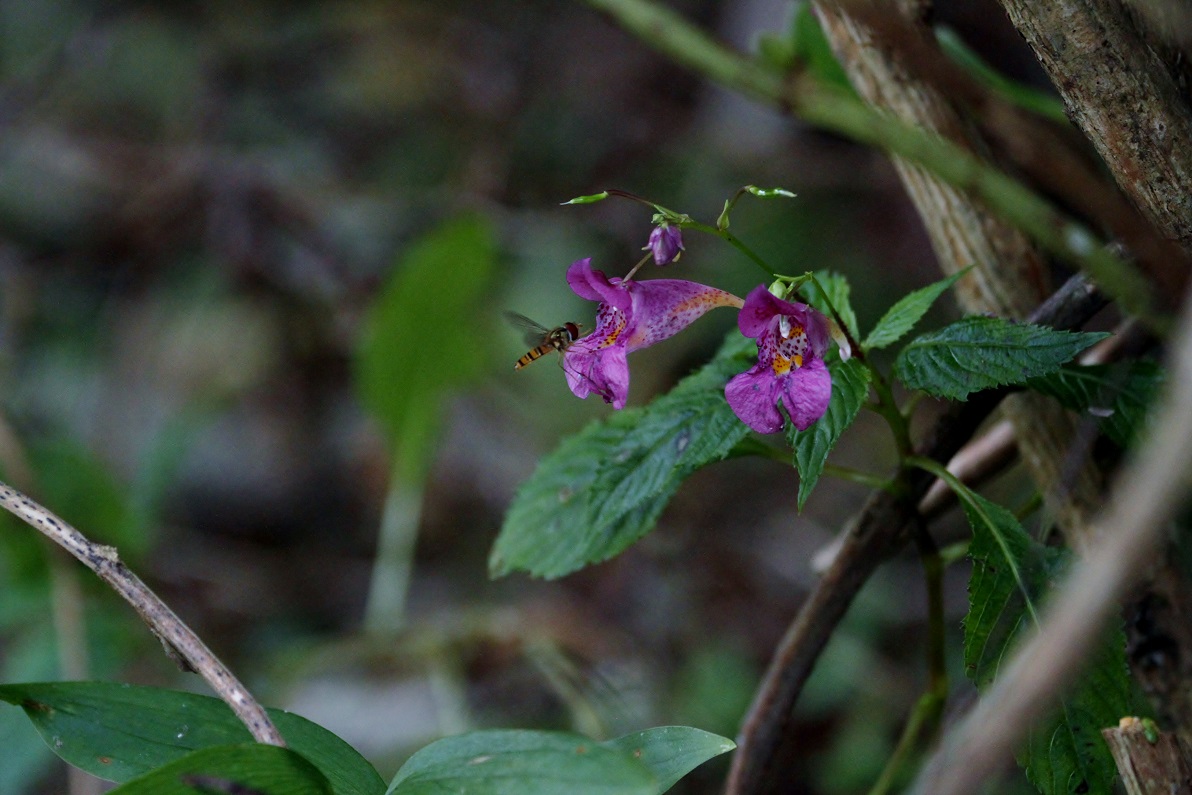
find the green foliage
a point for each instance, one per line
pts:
(979, 353)
(1121, 393)
(805, 47)
(850, 387)
(1011, 574)
(605, 487)
(546, 763)
(905, 313)
(248, 768)
(418, 342)
(835, 294)
(118, 732)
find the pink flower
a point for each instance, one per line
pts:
(631, 315)
(791, 342)
(666, 242)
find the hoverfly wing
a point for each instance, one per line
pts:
(532, 333)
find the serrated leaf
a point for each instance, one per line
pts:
(850, 387)
(1011, 575)
(118, 732)
(979, 353)
(248, 769)
(522, 763)
(1119, 396)
(416, 343)
(902, 317)
(671, 752)
(836, 291)
(605, 487)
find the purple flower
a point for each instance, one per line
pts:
(791, 341)
(631, 315)
(666, 242)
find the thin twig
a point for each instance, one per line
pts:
(176, 636)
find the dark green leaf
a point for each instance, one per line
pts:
(811, 50)
(117, 731)
(522, 763)
(850, 387)
(979, 353)
(248, 769)
(605, 487)
(1011, 574)
(836, 291)
(671, 752)
(902, 317)
(417, 342)
(1119, 396)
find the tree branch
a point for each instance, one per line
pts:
(176, 636)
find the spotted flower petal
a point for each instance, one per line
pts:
(631, 315)
(791, 341)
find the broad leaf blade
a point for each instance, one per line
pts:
(522, 763)
(909, 310)
(1011, 574)
(117, 731)
(605, 487)
(671, 752)
(250, 768)
(417, 342)
(979, 353)
(835, 293)
(1121, 394)
(850, 387)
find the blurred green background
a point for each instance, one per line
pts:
(201, 208)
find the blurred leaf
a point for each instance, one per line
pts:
(979, 353)
(522, 763)
(80, 489)
(714, 687)
(850, 387)
(835, 291)
(671, 752)
(1011, 574)
(1040, 102)
(419, 341)
(811, 49)
(247, 769)
(605, 487)
(906, 312)
(1119, 395)
(118, 731)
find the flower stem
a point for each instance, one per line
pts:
(732, 240)
(857, 476)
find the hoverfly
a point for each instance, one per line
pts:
(543, 339)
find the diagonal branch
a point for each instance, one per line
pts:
(176, 636)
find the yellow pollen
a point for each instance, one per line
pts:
(781, 365)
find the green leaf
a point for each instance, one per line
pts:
(979, 353)
(418, 341)
(522, 763)
(836, 292)
(671, 752)
(1123, 394)
(1011, 574)
(248, 769)
(811, 49)
(605, 487)
(118, 731)
(850, 387)
(902, 317)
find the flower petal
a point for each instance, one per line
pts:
(806, 392)
(603, 371)
(595, 286)
(761, 307)
(664, 307)
(666, 242)
(753, 397)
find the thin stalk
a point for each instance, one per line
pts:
(732, 240)
(385, 610)
(857, 476)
